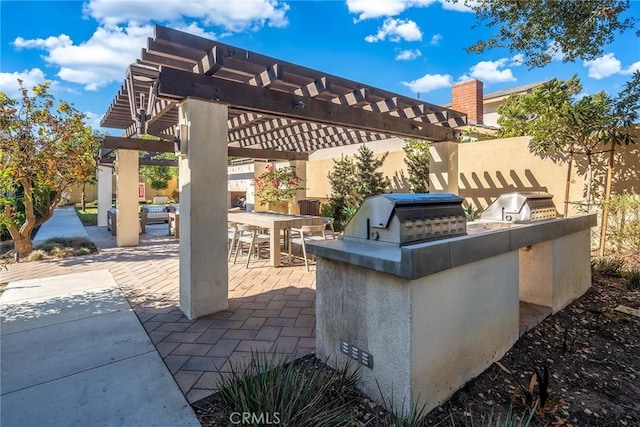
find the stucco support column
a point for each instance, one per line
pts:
(128, 222)
(555, 272)
(204, 276)
(443, 167)
(104, 194)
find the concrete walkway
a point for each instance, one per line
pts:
(75, 354)
(270, 309)
(63, 223)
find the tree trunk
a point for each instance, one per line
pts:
(607, 196)
(22, 245)
(568, 185)
(589, 181)
(84, 199)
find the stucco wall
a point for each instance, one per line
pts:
(485, 169)
(321, 162)
(489, 168)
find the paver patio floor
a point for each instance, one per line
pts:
(270, 309)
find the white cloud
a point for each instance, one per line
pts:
(631, 68)
(429, 82)
(517, 60)
(489, 72)
(435, 39)
(408, 54)
(460, 6)
(555, 51)
(366, 9)
(93, 119)
(231, 15)
(602, 67)
(48, 43)
(396, 30)
(194, 29)
(30, 78)
(100, 60)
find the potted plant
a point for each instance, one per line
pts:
(277, 186)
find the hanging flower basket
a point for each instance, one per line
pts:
(277, 185)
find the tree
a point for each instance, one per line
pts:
(44, 148)
(417, 160)
(342, 199)
(342, 179)
(561, 124)
(159, 176)
(542, 29)
(625, 117)
(369, 181)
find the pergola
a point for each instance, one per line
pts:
(207, 100)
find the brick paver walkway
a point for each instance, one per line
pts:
(271, 309)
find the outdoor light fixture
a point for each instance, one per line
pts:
(141, 78)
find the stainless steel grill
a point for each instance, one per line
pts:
(408, 218)
(521, 207)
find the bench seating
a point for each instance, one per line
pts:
(154, 213)
(149, 214)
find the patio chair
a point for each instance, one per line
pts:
(329, 229)
(232, 235)
(250, 235)
(306, 233)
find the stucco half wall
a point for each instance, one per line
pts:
(486, 169)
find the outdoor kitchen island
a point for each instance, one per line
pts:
(424, 317)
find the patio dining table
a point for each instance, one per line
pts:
(276, 223)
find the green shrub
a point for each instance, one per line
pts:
(607, 266)
(62, 247)
(623, 225)
(60, 252)
(399, 417)
(82, 251)
(36, 255)
(633, 278)
(510, 419)
(301, 397)
(472, 213)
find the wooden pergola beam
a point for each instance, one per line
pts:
(177, 85)
(143, 162)
(210, 63)
(255, 153)
(114, 143)
(267, 77)
(160, 108)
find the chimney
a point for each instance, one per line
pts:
(466, 97)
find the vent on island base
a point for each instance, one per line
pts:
(406, 219)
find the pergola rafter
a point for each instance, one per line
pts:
(272, 104)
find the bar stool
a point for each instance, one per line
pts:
(249, 234)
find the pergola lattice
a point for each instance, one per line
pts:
(276, 109)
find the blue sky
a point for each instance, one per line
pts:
(411, 47)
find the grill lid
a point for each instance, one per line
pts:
(404, 218)
(521, 207)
